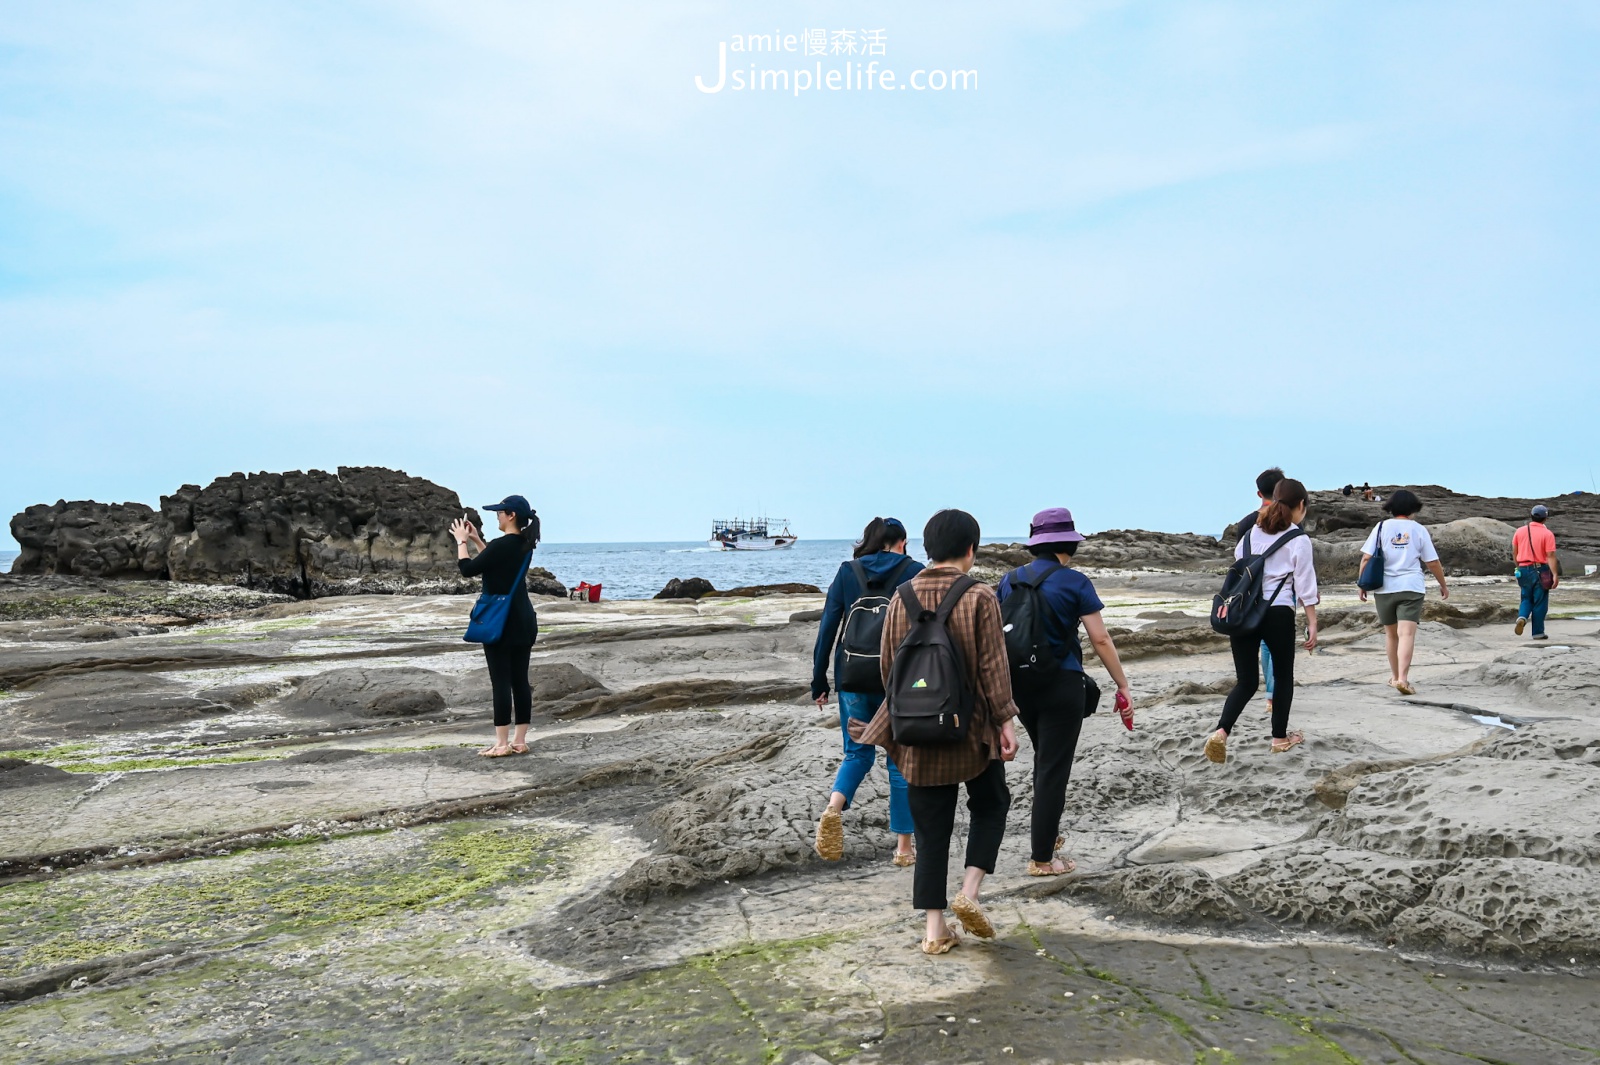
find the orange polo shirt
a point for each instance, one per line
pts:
(1533, 544)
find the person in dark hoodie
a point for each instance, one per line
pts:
(880, 557)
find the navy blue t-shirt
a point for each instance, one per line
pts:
(1070, 595)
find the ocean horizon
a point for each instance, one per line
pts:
(638, 570)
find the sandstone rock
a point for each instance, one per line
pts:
(1480, 546)
(89, 539)
(1508, 905)
(364, 692)
(1116, 549)
(753, 591)
(693, 588)
(290, 531)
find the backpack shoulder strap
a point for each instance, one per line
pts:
(899, 568)
(908, 596)
(1280, 541)
(953, 596)
(861, 576)
(1018, 575)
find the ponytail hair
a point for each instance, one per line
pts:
(879, 535)
(1288, 495)
(530, 531)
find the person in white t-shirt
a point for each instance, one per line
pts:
(1407, 550)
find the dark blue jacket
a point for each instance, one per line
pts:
(844, 591)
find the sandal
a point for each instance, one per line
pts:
(940, 946)
(830, 836)
(1289, 742)
(519, 748)
(494, 751)
(905, 859)
(1049, 868)
(1217, 747)
(1404, 687)
(972, 918)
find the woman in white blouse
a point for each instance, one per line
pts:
(1288, 575)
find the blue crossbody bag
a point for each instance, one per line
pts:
(489, 613)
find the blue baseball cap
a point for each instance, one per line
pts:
(517, 505)
(1541, 512)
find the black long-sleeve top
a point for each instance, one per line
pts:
(498, 564)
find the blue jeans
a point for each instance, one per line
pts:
(860, 757)
(1266, 667)
(1535, 597)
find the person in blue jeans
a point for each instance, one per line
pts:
(880, 556)
(1534, 547)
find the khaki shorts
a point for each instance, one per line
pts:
(1394, 607)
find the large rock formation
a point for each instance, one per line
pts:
(1117, 549)
(89, 539)
(360, 530)
(311, 533)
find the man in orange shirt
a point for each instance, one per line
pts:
(1535, 548)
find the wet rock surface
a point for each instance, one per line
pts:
(292, 850)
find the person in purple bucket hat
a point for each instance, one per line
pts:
(1042, 605)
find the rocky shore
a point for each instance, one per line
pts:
(238, 823)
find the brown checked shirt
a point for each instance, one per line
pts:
(975, 628)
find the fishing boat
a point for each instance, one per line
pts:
(753, 535)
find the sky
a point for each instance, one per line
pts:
(1147, 250)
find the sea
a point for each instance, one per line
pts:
(639, 571)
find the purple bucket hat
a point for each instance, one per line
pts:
(1053, 526)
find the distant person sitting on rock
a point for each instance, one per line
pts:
(858, 601)
(1348, 490)
(1289, 574)
(1538, 571)
(1367, 493)
(499, 564)
(1407, 548)
(935, 772)
(1266, 482)
(1051, 704)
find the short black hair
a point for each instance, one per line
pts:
(1267, 480)
(1065, 547)
(950, 534)
(1402, 503)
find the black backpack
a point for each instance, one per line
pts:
(1026, 617)
(1242, 604)
(861, 640)
(930, 701)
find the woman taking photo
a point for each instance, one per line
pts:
(1407, 548)
(881, 564)
(500, 564)
(1288, 575)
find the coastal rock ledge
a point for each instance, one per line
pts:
(360, 530)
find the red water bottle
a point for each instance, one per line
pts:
(1125, 711)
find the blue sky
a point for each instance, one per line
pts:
(512, 247)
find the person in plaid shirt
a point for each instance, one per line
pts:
(935, 774)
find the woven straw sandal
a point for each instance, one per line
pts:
(1288, 743)
(1049, 868)
(1217, 747)
(940, 946)
(972, 918)
(830, 836)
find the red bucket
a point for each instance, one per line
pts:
(585, 590)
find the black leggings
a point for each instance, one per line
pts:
(1277, 632)
(933, 811)
(1053, 717)
(508, 675)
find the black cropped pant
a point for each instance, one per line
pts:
(1277, 632)
(508, 676)
(1053, 717)
(933, 811)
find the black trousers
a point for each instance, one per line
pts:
(508, 675)
(1053, 717)
(1277, 632)
(933, 810)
